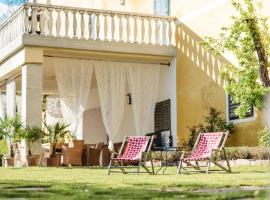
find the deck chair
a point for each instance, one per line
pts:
(208, 147)
(136, 153)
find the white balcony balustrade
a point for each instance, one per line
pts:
(68, 22)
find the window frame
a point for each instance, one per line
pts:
(169, 8)
(238, 120)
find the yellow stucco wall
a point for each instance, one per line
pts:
(198, 82)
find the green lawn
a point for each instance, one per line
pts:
(88, 183)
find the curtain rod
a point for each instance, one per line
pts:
(12, 78)
(49, 56)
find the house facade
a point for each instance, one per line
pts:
(43, 33)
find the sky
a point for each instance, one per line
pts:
(7, 6)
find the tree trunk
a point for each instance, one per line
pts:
(260, 49)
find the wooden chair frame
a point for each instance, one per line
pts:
(115, 164)
(213, 158)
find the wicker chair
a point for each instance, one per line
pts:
(73, 155)
(94, 154)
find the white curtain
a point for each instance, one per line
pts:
(143, 82)
(73, 80)
(111, 81)
(2, 105)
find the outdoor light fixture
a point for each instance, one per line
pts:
(129, 100)
(122, 2)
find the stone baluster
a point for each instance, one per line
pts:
(127, 28)
(90, 25)
(66, 23)
(34, 20)
(170, 34)
(150, 31)
(98, 26)
(164, 32)
(26, 20)
(120, 28)
(157, 25)
(50, 21)
(42, 21)
(82, 24)
(112, 26)
(105, 15)
(58, 22)
(74, 13)
(142, 30)
(135, 28)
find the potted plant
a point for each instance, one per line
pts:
(10, 128)
(31, 135)
(55, 133)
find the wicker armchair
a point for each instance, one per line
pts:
(73, 155)
(94, 154)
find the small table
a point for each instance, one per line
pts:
(164, 150)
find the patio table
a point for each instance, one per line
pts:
(163, 150)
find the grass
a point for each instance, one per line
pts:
(245, 182)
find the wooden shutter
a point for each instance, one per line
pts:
(163, 116)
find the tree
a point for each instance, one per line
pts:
(248, 39)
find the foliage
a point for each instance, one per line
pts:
(248, 39)
(264, 137)
(3, 147)
(10, 129)
(56, 133)
(31, 135)
(255, 153)
(211, 123)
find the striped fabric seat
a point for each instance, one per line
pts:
(135, 146)
(207, 142)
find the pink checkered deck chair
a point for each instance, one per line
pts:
(208, 147)
(135, 153)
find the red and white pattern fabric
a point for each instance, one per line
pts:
(135, 146)
(207, 142)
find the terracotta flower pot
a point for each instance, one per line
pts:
(53, 161)
(33, 160)
(9, 162)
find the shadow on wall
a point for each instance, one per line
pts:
(200, 86)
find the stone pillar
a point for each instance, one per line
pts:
(32, 86)
(11, 98)
(10, 104)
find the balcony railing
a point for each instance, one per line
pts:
(88, 24)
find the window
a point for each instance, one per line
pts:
(162, 7)
(233, 106)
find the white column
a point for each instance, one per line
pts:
(32, 98)
(10, 103)
(11, 98)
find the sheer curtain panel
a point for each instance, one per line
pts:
(111, 81)
(143, 82)
(73, 80)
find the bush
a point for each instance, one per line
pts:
(211, 123)
(264, 137)
(233, 153)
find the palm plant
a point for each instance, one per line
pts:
(10, 129)
(55, 134)
(31, 135)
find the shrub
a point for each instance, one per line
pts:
(233, 153)
(211, 123)
(264, 137)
